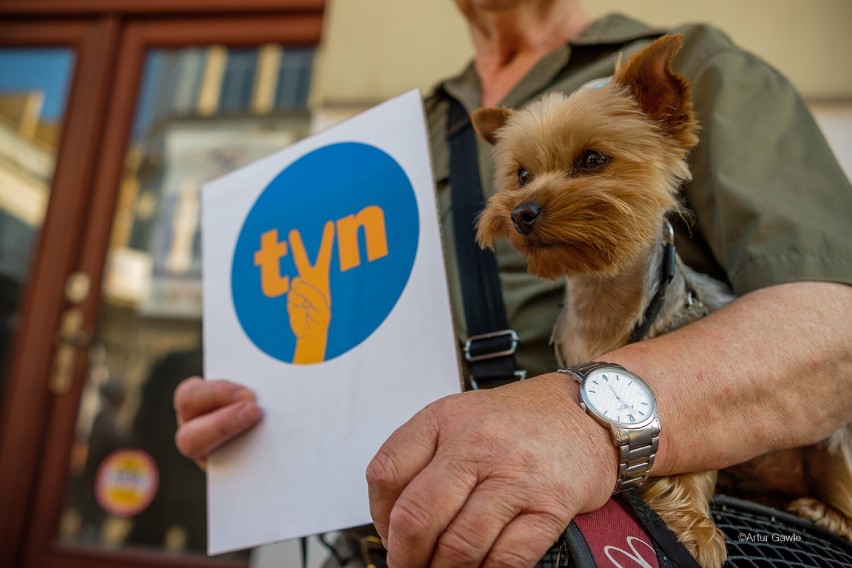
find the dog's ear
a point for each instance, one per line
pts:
(487, 121)
(661, 93)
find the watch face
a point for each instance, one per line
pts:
(618, 396)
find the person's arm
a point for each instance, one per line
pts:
(772, 370)
(493, 477)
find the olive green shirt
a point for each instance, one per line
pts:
(771, 203)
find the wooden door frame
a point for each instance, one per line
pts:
(37, 428)
(27, 401)
(53, 8)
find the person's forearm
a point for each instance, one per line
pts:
(771, 370)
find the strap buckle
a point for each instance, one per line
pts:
(471, 356)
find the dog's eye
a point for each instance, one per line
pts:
(523, 177)
(592, 160)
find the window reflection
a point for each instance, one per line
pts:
(33, 91)
(203, 112)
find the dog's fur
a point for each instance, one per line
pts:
(584, 184)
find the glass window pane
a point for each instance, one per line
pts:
(202, 112)
(294, 78)
(238, 84)
(34, 86)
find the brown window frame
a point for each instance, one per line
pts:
(110, 39)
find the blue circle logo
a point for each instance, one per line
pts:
(325, 253)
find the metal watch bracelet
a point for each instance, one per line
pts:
(637, 447)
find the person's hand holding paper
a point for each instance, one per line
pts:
(324, 286)
(211, 413)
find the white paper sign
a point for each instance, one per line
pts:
(325, 293)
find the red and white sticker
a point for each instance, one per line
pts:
(126, 482)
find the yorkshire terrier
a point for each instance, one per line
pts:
(584, 186)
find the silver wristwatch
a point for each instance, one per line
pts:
(622, 402)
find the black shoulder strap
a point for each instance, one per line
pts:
(585, 546)
(491, 343)
(665, 541)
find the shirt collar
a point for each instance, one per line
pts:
(613, 29)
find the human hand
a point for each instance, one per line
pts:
(489, 477)
(309, 299)
(210, 413)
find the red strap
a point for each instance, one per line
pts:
(615, 538)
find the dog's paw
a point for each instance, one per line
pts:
(823, 516)
(707, 546)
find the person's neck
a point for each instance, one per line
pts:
(509, 42)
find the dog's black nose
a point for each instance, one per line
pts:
(524, 215)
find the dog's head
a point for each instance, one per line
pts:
(584, 181)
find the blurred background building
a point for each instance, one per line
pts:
(113, 113)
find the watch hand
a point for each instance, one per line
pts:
(615, 394)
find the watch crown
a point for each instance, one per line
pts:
(584, 407)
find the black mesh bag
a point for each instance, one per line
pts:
(763, 537)
(756, 537)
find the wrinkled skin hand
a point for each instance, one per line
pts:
(210, 413)
(482, 478)
(489, 477)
